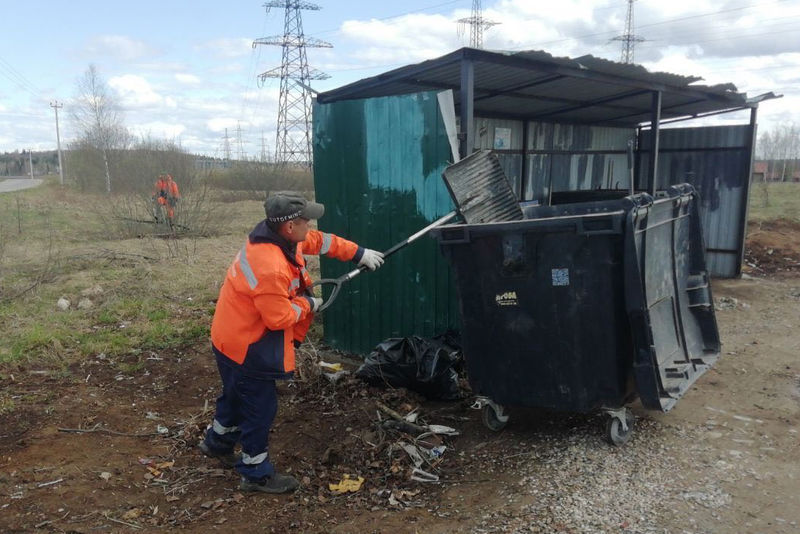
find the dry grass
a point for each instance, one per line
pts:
(147, 293)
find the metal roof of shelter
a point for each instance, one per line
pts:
(534, 85)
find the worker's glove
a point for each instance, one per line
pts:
(372, 259)
(315, 302)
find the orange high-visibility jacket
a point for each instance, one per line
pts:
(160, 190)
(165, 187)
(172, 188)
(261, 308)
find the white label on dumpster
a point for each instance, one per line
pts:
(560, 277)
(509, 298)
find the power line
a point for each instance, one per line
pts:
(608, 33)
(723, 31)
(739, 38)
(18, 78)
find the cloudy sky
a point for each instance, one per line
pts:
(186, 71)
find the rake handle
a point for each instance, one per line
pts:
(337, 282)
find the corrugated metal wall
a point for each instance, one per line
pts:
(377, 168)
(505, 137)
(715, 159)
(565, 157)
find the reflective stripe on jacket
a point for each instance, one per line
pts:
(261, 309)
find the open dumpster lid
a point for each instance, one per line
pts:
(668, 296)
(480, 189)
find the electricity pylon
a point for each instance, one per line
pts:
(628, 38)
(476, 24)
(293, 140)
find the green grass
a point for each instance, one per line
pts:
(7, 405)
(775, 200)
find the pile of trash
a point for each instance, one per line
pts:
(425, 365)
(387, 446)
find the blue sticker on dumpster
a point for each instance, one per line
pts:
(560, 277)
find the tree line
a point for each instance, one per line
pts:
(18, 163)
(780, 148)
(106, 157)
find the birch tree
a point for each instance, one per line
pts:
(98, 117)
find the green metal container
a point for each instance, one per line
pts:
(377, 168)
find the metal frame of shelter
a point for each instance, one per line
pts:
(536, 86)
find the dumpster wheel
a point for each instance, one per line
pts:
(618, 432)
(493, 421)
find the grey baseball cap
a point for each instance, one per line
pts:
(287, 205)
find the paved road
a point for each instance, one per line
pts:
(16, 183)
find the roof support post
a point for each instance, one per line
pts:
(751, 134)
(655, 118)
(466, 113)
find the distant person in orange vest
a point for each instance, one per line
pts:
(166, 196)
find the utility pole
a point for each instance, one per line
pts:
(628, 38)
(293, 139)
(263, 148)
(30, 160)
(56, 106)
(476, 24)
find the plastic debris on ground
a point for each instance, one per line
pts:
(332, 371)
(347, 484)
(425, 365)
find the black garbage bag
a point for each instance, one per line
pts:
(425, 365)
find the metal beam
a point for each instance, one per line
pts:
(524, 167)
(525, 116)
(655, 119)
(746, 184)
(491, 93)
(401, 74)
(701, 115)
(528, 85)
(597, 102)
(466, 111)
(663, 109)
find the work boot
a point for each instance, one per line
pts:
(277, 483)
(228, 459)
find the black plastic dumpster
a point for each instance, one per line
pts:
(585, 306)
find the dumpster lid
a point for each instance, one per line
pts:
(668, 296)
(480, 189)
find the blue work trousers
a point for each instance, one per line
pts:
(245, 412)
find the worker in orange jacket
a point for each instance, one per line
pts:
(262, 315)
(166, 195)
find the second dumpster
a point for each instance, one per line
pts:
(585, 306)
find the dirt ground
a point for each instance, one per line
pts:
(99, 450)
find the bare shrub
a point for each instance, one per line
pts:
(133, 215)
(257, 177)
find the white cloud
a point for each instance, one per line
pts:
(119, 46)
(135, 91)
(220, 123)
(387, 41)
(189, 79)
(159, 130)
